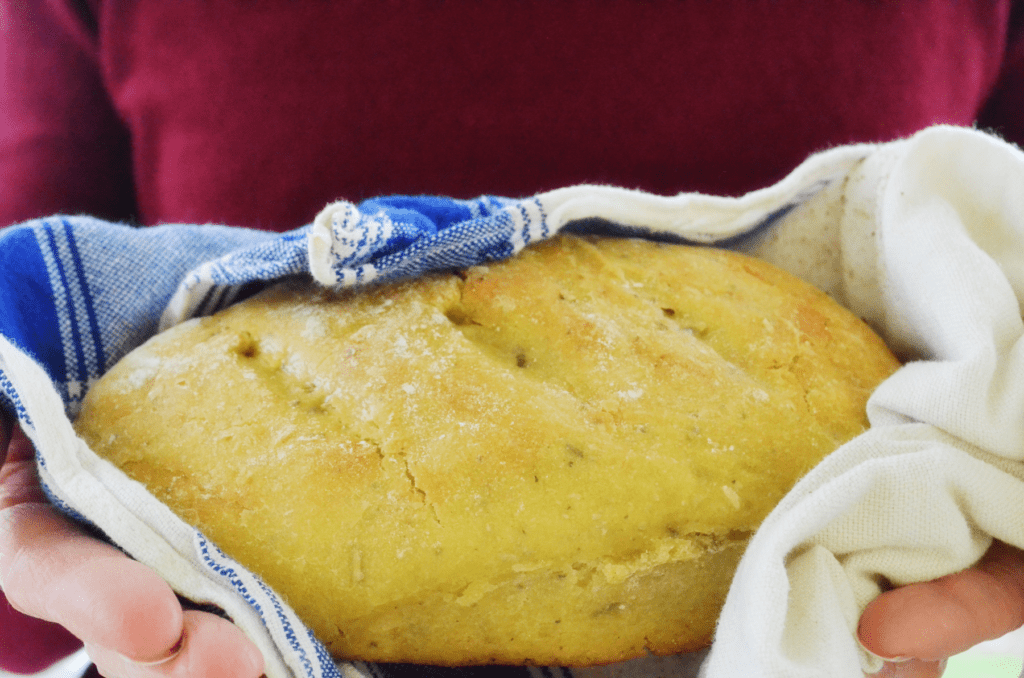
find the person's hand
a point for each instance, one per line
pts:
(924, 624)
(132, 624)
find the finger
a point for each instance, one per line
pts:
(19, 448)
(5, 434)
(48, 642)
(19, 484)
(51, 569)
(937, 619)
(211, 647)
(18, 480)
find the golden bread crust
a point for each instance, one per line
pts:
(554, 460)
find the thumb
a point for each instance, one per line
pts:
(51, 569)
(936, 619)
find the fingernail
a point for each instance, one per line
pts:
(171, 654)
(255, 659)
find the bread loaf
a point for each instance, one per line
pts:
(557, 459)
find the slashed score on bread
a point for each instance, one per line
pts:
(557, 459)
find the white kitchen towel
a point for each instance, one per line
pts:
(929, 249)
(924, 238)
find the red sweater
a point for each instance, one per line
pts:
(259, 112)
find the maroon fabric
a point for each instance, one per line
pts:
(62, 147)
(29, 645)
(259, 112)
(1004, 111)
